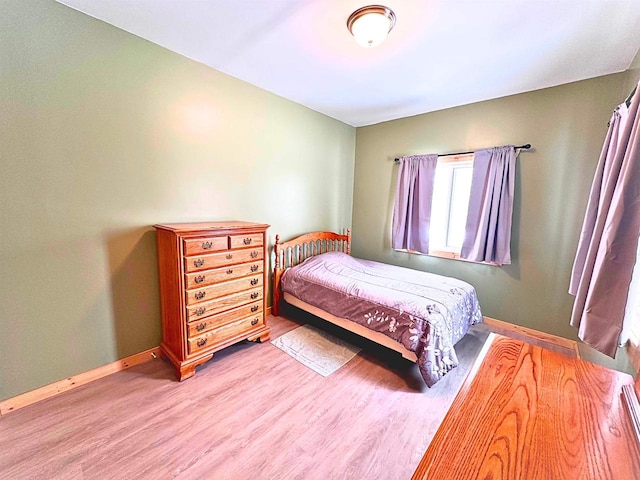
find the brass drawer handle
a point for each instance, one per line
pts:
(200, 311)
(254, 295)
(207, 245)
(254, 254)
(200, 295)
(247, 241)
(254, 281)
(202, 342)
(255, 308)
(254, 321)
(199, 279)
(254, 268)
(198, 262)
(229, 272)
(201, 327)
(229, 256)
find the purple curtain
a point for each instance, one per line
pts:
(608, 243)
(412, 211)
(487, 235)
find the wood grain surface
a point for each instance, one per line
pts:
(531, 413)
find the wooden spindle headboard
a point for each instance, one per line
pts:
(295, 251)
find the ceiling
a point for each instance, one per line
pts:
(441, 53)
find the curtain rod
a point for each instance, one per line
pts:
(526, 146)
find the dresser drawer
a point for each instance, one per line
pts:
(225, 332)
(201, 326)
(206, 309)
(246, 241)
(205, 262)
(221, 289)
(198, 246)
(208, 277)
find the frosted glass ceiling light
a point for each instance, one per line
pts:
(370, 25)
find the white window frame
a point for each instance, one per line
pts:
(448, 165)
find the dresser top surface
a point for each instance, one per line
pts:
(212, 226)
(530, 413)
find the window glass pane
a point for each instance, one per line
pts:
(440, 208)
(460, 190)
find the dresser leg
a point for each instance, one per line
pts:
(262, 338)
(185, 372)
(189, 370)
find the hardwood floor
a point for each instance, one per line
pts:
(253, 412)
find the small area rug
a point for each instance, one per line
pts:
(321, 352)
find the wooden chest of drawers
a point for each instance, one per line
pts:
(212, 289)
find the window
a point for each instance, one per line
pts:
(631, 323)
(450, 203)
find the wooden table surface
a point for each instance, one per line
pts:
(530, 413)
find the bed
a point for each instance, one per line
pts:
(418, 314)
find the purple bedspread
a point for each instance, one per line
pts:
(426, 313)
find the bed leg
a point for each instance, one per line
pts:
(277, 274)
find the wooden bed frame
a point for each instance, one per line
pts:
(291, 253)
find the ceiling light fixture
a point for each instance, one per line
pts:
(370, 25)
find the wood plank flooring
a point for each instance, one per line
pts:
(253, 412)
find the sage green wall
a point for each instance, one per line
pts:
(103, 134)
(566, 126)
(632, 75)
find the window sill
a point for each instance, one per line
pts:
(448, 255)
